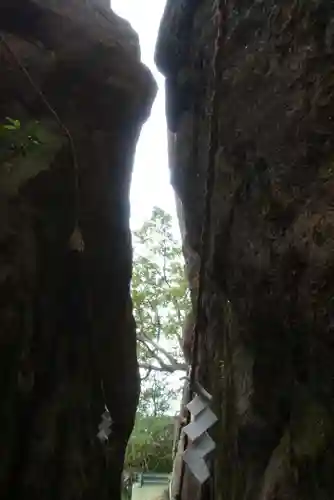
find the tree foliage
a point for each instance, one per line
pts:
(160, 302)
(160, 295)
(156, 395)
(151, 444)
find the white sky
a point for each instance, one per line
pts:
(150, 181)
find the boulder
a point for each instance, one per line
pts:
(73, 86)
(266, 351)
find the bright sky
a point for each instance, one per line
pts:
(150, 181)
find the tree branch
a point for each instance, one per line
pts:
(165, 368)
(152, 353)
(170, 367)
(163, 351)
(148, 372)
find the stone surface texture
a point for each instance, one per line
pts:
(67, 335)
(266, 353)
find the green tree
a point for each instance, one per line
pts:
(160, 302)
(156, 396)
(151, 444)
(160, 295)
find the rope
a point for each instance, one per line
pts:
(75, 164)
(221, 16)
(58, 120)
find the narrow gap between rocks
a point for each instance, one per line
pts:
(160, 293)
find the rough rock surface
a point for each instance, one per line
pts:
(269, 279)
(67, 335)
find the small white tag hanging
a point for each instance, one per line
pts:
(105, 427)
(76, 242)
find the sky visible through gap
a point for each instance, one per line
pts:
(150, 180)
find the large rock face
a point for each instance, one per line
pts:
(269, 279)
(71, 74)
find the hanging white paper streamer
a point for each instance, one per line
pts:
(105, 427)
(196, 464)
(200, 424)
(201, 444)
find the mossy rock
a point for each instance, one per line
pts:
(30, 150)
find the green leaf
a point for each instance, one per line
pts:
(161, 301)
(14, 124)
(9, 127)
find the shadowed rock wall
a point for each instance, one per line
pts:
(269, 287)
(68, 345)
